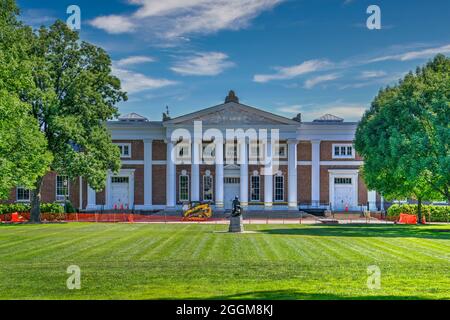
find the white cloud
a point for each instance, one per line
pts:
(203, 64)
(372, 74)
(284, 73)
(114, 24)
(171, 19)
(348, 111)
(418, 54)
(134, 60)
(310, 83)
(133, 82)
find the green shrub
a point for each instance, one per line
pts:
(69, 208)
(54, 208)
(431, 213)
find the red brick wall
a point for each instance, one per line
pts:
(159, 150)
(304, 151)
(304, 184)
(159, 184)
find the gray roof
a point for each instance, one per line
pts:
(329, 118)
(133, 117)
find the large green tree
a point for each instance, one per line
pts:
(404, 137)
(23, 147)
(74, 95)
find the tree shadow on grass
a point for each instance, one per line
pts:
(298, 295)
(385, 231)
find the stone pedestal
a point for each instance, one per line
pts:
(236, 224)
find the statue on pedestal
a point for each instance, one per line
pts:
(236, 221)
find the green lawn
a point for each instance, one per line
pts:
(191, 261)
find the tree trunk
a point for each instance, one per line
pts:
(419, 211)
(35, 214)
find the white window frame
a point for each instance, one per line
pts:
(58, 197)
(251, 188)
(186, 157)
(340, 146)
(277, 150)
(122, 149)
(208, 176)
(275, 187)
(187, 186)
(208, 158)
(23, 200)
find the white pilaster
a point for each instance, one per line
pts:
(292, 174)
(219, 173)
(91, 199)
(315, 173)
(372, 199)
(170, 176)
(268, 177)
(195, 170)
(244, 173)
(148, 174)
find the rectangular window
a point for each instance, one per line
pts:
(207, 188)
(231, 180)
(183, 152)
(255, 188)
(254, 153)
(208, 152)
(62, 188)
(279, 188)
(281, 151)
(23, 194)
(343, 151)
(119, 180)
(184, 188)
(125, 149)
(342, 180)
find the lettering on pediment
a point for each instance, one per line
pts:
(234, 115)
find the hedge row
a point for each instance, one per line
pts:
(53, 208)
(430, 212)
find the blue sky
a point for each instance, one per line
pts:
(284, 56)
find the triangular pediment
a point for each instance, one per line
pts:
(234, 114)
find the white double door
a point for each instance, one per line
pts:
(231, 190)
(343, 197)
(120, 195)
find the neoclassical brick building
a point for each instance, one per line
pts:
(311, 164)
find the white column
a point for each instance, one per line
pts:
(315, 172)
(170, 176)
(219, 173)
(268, 177)
(91, 199)
(292, 174)
(244, 173)
(372, 199)
(148, 174)
(195, 170)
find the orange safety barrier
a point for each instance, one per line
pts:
(15, 217)
(409, 219)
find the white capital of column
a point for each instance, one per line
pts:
(268, 177)
(219, 173)
(315, 173)
(195, 171)
(148, 173)
(292, 175)
(244, 173)
(170, 175)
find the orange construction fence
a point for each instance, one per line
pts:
(409, 219)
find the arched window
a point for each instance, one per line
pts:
(208, 186)
(184, 186)
(255, 187)
(279, 187)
